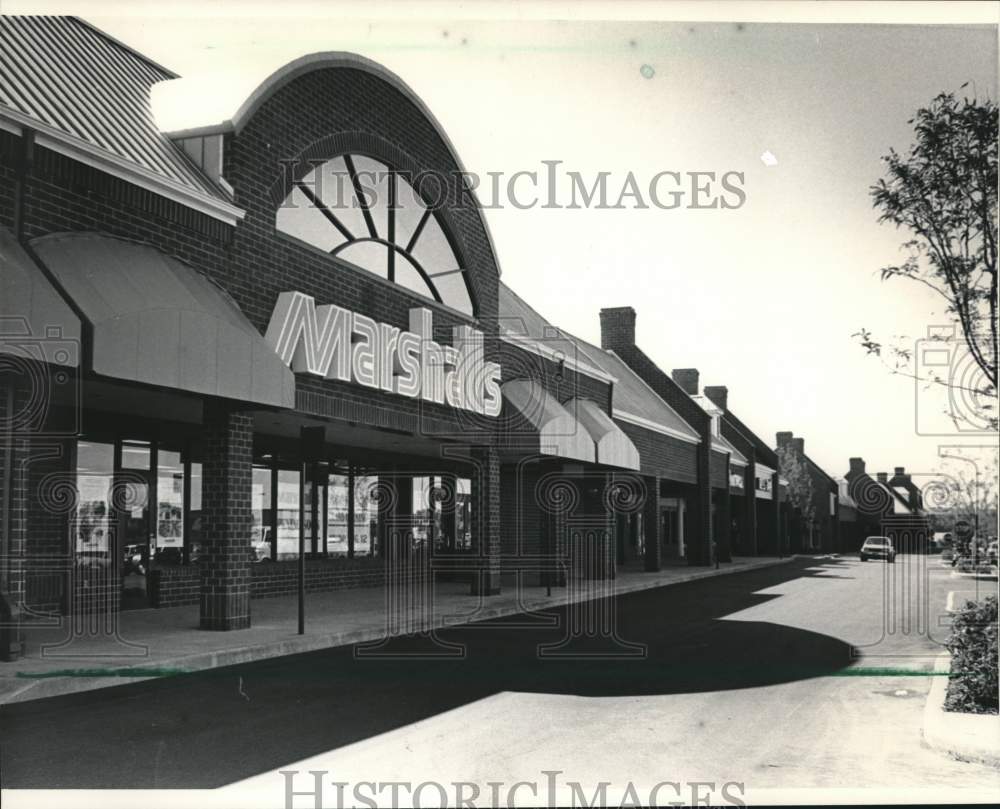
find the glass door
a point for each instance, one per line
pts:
(93, 528)
(134, 501)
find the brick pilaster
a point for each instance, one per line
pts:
(486, 519)
(776, 504)
(750, 492)
(226, 503)
(724, 530)
(699, 535)
(14, 453)
(651, 524)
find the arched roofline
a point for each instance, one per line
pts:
(342, 59)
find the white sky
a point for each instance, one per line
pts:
(763, 299)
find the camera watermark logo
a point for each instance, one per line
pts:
(41, 370)
(952, 393)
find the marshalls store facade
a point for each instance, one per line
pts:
(282, 334)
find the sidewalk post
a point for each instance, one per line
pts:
(303, 477)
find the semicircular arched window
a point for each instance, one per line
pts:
(367, 214)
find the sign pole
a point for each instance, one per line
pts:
(312, 447)
(302, 546)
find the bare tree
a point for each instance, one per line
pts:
(793, 469)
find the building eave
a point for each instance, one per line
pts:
(103, 160)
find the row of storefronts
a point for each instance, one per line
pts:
(221, 356)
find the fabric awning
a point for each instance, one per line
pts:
(559, 434)
(35, 321)
(158, 321)
(578, 429)
(613, 447)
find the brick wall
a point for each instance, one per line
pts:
(618, 334)
(50, 498)
(663, 455)
(177, 586)
(720, 470)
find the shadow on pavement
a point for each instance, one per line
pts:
(212, 728)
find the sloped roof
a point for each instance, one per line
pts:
(67, 76)
(630, 395)
(719, 442)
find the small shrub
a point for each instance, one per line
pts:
(972, 686)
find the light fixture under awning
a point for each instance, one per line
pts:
(614, 448)
(559, 433)
(158, 321)
(35, 322)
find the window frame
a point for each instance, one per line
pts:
(438, 214)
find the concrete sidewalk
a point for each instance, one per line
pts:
(161, 642)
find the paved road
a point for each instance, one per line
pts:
(795, 676)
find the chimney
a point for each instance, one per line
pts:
(618, 327)
(800, 446)
(883, 477)
(857, 466)
(783, 439)
(718, 394)
(687, 378)
(914, 497)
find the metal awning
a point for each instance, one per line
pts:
(158, 321)
(613, 447)
(35, 322)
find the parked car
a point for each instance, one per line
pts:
(991, 552)
(878, 548)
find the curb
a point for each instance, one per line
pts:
(966, 737)
(31, 689)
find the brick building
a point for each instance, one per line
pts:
(756, 493)
(273, 346)
(886, 506)
(822, 532)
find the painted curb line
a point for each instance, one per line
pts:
(44, 687)
(966, 737)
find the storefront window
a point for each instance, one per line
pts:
(426, 511)
(369, 215)
(194, 516)
(288, 514)
(260, 510)
(366, 494)
(463, 514)
(92, 526)
(169, 548)
(337, 500)
(136, 455)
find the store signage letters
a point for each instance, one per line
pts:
(335, 343)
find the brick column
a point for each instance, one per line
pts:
(226, 503)
(750, 491)
(486, 519)
(776, 502)
(698, 540)
(14, 454)
(651, 525)
(724, 531)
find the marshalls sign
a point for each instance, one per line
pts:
(336, 343)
